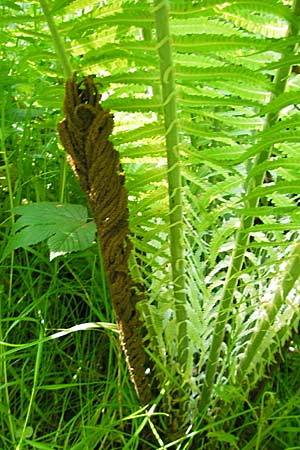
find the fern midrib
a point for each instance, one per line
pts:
(242, 238)
(57, 40)
(174, 175)
(291, 275)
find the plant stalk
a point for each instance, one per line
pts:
(242, 237)
(174, 176)
(291, 275)
(57, 41)
(34, 387)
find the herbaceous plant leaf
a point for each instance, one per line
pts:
(64, 225)
(77, 236)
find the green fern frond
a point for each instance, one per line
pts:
(127, 48)
(200, 130)
(282, 187)
(275, 227)
(288, 61)
(151, 175)
(233, 121)
(270, 310)
(232, 72)
(141, 77)
(201, 25)
(287, 124)
(100, 61)
(93, 41)
(193, 102)
(282, 101)
(154, 152)
(223, 155)
(264, 6)
(207, 43)
(288, 136)
(73, 6)
(219, 239)
(266, 211)
(133, 104)
(137, 134)
(161, 15)
(219, 189)
(287, 163)
(181, 8)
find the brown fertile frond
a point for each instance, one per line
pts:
(85, 132)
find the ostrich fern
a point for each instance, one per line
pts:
(205, 97)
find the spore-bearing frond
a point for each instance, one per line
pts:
(85, 132)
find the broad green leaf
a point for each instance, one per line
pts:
(74, 237)
(46, 213)
(64, 226)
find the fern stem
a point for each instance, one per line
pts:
(174, 176)
(291, 275)
(57, 41)
(242, 237)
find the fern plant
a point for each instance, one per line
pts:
(205, 97)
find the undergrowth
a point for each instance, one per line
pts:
(73, 391)
(231, 110)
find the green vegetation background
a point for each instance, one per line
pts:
(64, 382)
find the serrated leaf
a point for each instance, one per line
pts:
(230, 72)
(146, 131)
(268, 141)
(282, 101)
(64, 225)
(34, 234)
(46, 213)
(138, 77)
(265, 211)
(194, 102)
(281, 187)
(132, 104)
(220, 237)
(75, 237)
(275, 227)
(72, 6)
(207, 42)
(200, 25)
(287, 163)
